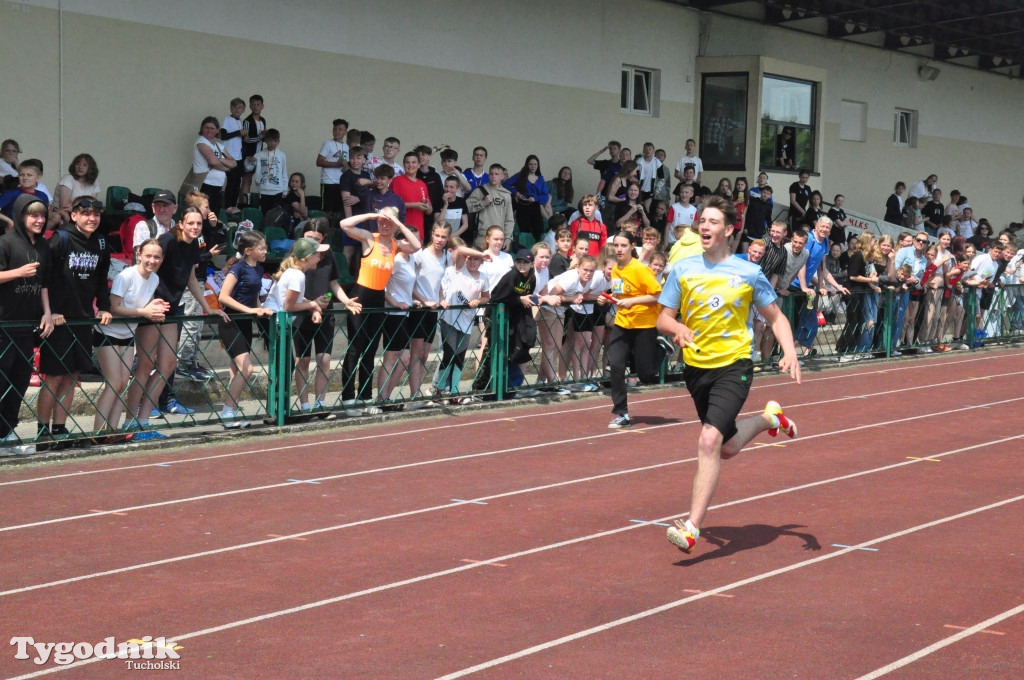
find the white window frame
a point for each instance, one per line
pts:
(904, 128)
(652, 91)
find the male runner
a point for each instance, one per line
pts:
(714, 293)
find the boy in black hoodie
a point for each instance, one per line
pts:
(79, 261)
(24, 270)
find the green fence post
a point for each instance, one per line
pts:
(889, 319)
(970, 298)
(278, 381)
(499, 350)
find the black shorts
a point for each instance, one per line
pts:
(580, 322)
(423, 324)
(396, 332)
(236, 336)
(600, 315)
(332, 198)
(67, 350)
(719, 393)
(310, 336)
(103, 340)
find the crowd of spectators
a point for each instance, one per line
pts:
(430, 247)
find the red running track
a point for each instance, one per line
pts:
(528, 542)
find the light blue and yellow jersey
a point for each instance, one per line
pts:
(714, 302)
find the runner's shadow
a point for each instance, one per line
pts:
(653, 420)
(731, 540)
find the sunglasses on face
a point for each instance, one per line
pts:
(921, 240)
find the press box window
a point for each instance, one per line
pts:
(640, 92)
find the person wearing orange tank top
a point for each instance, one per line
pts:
(378, 257)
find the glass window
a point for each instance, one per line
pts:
(723, 121)
(904, 131)
(788, 109)
(639, 90)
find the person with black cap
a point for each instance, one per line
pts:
(515, 290)
(78, 286)
(24, 270)
(164, 205)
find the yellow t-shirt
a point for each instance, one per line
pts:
(633, 280)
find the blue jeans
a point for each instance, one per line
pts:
(869, 315)
(902, 300)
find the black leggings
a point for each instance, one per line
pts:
(15, 374)
(364, 339)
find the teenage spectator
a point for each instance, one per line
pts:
(658, 216)
(889, 279)
(413, 191)
(530, 192)
(431, 262)
(649, 168)
(294, 202)
(605, 164)
(240, 294)
(851, 245)
(368, 141)
(785, 148)
(757, 217)
(860, 284)
(464, 288)
(561, 191)
(80, 181)
(430, 177)
(78, 290)
(379, 195)
(397, 335)
(936, 278)
(740, 191)
(913, 219)
(630, 214)
(689, 175)
(157, 345)
(333, 160)
(271, 174)
(933, 211)
(24, 272)
(388, 156)
(589, 226)
(514, 290)
(815, 210)
(477, 175)
(794, 278)
(253, 128)
(317, 339)
(30, 172)
(839, 220)
(799, 198)
(569, 287)
(967, 225)
(662, 185)
(492, 205)
(953, 211)
(231, 135)
(724, 188)
(211, 160)
(620, 181)
(130, 296)
(452, 207)
(635, 290)
(762, 181)
(922, 189)
(690, 158)
(894, 205)
(375, 266)
(982, 236)
(682, 213)
(288, 294)
(449, 158)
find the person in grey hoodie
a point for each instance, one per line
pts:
(24, 302)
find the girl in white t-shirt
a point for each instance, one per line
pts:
(572, 286)
(130, 296)
(463, 290)
(288, 293)
(431, 263)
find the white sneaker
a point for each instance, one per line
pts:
(11, 446)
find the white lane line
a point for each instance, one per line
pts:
(482, 454)
(506, 494)
(945, 642)
(565, 639)
(714, 591)
(382, 435)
